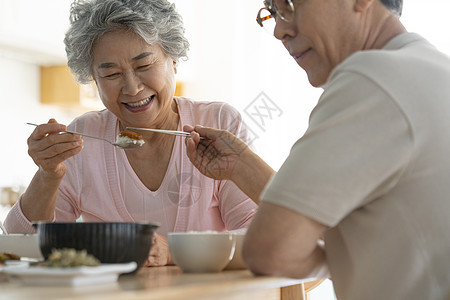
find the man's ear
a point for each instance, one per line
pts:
(363, 5)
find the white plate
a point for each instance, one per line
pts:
(70, 276)
(23, 245)
(9, 264)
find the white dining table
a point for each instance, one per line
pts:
(168, 282)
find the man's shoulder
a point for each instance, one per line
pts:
(401, 52)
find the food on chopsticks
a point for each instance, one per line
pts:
(127, 137)
(7, 256)
(67, 258)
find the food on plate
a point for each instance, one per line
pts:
(66, 258)
(127, 137)
(8, 256)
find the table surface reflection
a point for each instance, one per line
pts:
(167, 282)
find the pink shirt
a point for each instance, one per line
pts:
(101, 186)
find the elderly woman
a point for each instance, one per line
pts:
(130, 49)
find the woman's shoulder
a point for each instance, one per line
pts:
(205, 112)
(203, 105)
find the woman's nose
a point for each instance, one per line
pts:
(132, 84)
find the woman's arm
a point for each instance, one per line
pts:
(48, 148)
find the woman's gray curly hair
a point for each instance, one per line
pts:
(156, 21)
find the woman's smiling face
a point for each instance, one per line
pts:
(136, 81)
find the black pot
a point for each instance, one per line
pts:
(109, 242)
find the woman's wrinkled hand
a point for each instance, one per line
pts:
(217, 155)
(49, 148)
(159, 253)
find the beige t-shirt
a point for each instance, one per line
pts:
(374, 165)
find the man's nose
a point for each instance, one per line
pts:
(283, 29)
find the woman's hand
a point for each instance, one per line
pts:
(159, 253)
(49, 148)
(216, 156)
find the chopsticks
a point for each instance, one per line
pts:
(172, 132)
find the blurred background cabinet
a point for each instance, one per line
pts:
(58, 86)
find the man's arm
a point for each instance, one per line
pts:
(224, 156)
(281, 242)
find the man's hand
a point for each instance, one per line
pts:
(217, 155)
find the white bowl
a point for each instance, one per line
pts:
(237, 262)
(201, 252)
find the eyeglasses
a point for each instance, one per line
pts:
(273, 9)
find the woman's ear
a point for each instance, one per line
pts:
(362, 5)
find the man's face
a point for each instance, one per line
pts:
(321, 35)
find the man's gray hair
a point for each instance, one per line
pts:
(156, 21)
(395, 6)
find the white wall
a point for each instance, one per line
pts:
(31, 34)
(19, 101)
(231, 59)
(33, 30)
(430, 19)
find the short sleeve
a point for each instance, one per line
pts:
(356, 146)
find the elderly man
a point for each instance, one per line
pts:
(371, 175)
